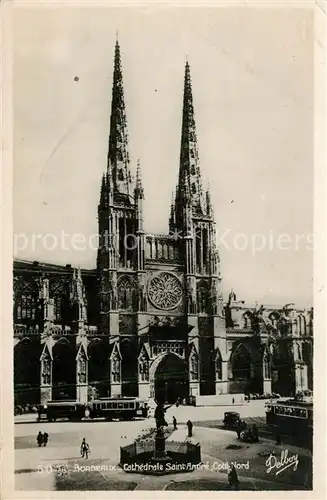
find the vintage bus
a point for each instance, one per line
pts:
(55, 410)
(122, 408)
(291, 417)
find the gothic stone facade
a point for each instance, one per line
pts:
(150, 320)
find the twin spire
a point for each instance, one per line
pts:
(118, 177)
(118, 167)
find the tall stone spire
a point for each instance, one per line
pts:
(118, 157)
(189, 186)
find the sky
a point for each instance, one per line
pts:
(252, 76)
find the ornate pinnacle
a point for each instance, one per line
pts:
(138, 181)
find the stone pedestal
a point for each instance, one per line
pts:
(267, 386)
(45, 394)
(116, 390)
(194, 388)
(221, 387)
(160, 454)
(82, 393)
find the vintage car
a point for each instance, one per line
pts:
(231, 419)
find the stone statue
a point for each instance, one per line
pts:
(159, 416)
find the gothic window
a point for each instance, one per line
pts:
(115, 369)
(171, 252)
(241, 363)
(120, 175)
(299, 352)
(218, 366)
(193, 169)
(59, 294)
(194, 367)
(307, 352)
(302, 326)
(193, 188)
(126, 294)
(247, 320)
(148, 250)
(26, 302)
(203, 297)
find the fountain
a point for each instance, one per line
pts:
(158, 457)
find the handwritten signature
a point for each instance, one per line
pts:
(279, 464)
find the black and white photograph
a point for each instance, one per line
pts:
(163, 241)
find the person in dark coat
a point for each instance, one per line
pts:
(238, 428)
(233, 478)
(189, 427)
(85, 449)
(39, 438)
(45, 438)
(175, 424)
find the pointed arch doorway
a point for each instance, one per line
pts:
(170, 379)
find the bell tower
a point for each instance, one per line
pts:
(194, 220)
(119, 213)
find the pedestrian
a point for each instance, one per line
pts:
(255, 434)
(85, 449)
(45, 438)
(39, 438)
(232, 478)
(189, 427)
(233, 401)
(175, 424)
(238, 429)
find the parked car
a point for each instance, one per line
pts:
(231, 419)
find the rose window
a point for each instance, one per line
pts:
(165, 291)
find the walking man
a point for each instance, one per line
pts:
(175, 424)
(238, 429)
(85, 449)
(189, 428)
(233, 478)
(45, 438)
(39, 438)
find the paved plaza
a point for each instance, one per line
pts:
(35, 468)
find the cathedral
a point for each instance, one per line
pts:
(150, 319)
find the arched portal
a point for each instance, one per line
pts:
(171, 379)
(27, 372)
(98, 368)
(241, 363)
(64, 371)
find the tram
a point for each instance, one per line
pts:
(123, 408)
(291, 417)
(55, 410)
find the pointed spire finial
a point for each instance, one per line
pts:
(190, 185)
(118, 157)
(117, 33)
